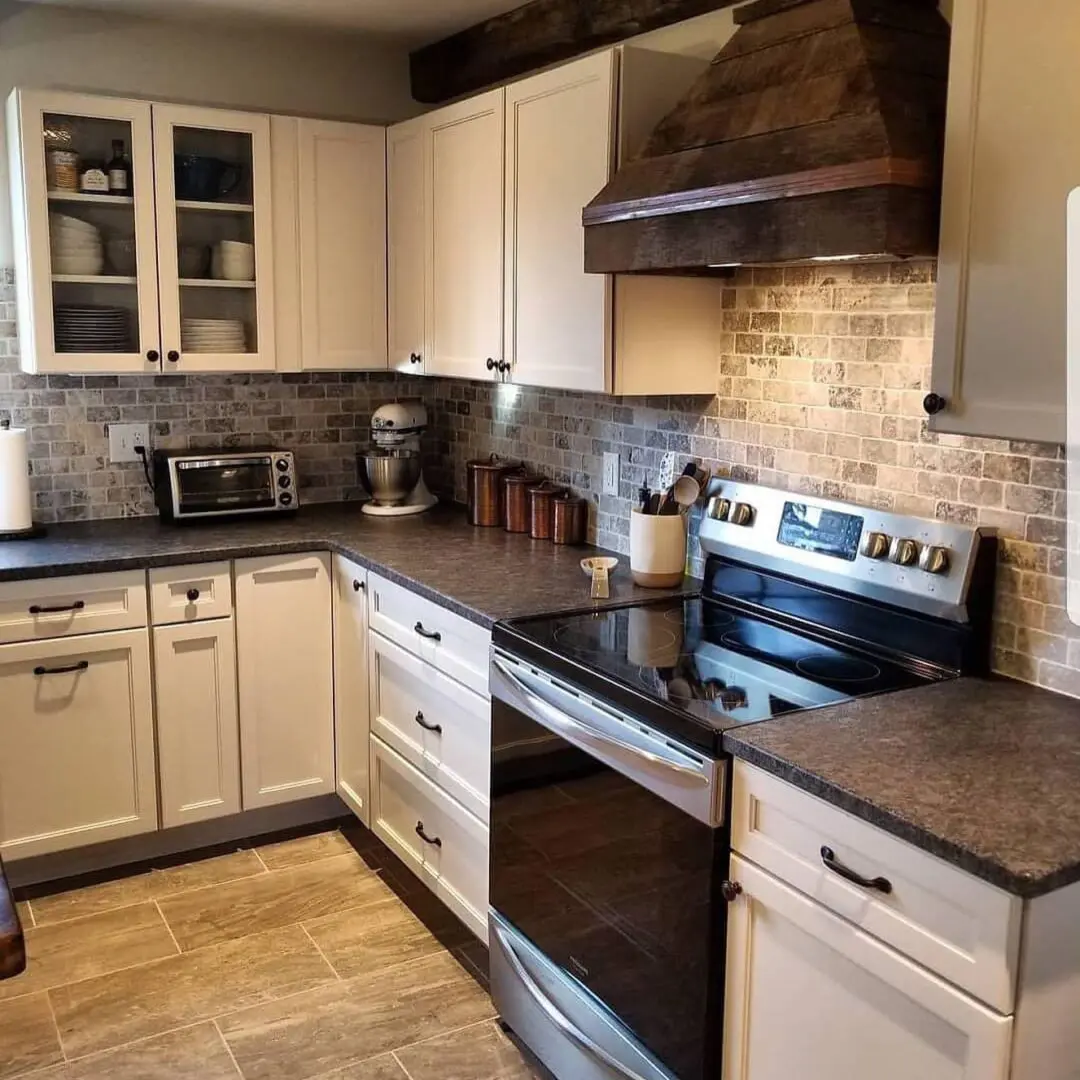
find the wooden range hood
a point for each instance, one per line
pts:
(816, 134)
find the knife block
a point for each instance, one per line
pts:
(657, 549)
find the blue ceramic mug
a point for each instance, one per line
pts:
(204, 179)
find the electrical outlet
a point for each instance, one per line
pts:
(611, 474)
(123, 438)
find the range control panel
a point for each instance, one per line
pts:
(913, 562)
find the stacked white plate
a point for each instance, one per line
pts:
(212, 336)
(92, 328)
(76, 246)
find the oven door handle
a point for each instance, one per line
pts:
(554, 1013)
(561, 721)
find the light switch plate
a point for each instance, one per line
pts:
(611, 474)
(123, 438)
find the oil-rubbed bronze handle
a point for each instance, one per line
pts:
(357, 586)
(828, 857)
(82, 665)
(490, 364)
(415, 358)
(37, 609)
(192, 595)
(437, 728)
(433, 840)
(431, 635)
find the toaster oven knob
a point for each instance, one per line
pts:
(742, 514)
(934, 560)
(282, 464)
(876, 545)
(904, 552)
(285, 499)
(284, 482)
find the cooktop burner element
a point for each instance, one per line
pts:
(838, 668)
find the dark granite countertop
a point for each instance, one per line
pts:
(984, 773)
(483, 574)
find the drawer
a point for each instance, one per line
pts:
(57, 607)
(182, 594)
(960, 927)
(410, 700)
(454, 645)
(453, 860)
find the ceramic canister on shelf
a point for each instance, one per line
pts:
(15, 503)
(657, 549)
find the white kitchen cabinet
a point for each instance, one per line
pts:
(406, 157)
(197, 724)
(329, 183)
(77, 727)
(1011, 159)
(285, 670)
(351, 690)
(813, 996)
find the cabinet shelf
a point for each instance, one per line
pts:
(85, 197)
(214, 283)
(215, 207)
(93, 279)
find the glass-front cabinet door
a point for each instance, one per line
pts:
(215, 248)
(82, 176)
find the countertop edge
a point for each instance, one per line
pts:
(1019, 885)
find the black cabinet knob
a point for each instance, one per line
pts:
(415, 358)
(503, 366)
(192, 595)
(730, 891)
(934, 403)
(172, 356)
(357, 586)
(153, 356)
(490, 364)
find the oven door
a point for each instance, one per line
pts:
(607, 853)
(224, 485)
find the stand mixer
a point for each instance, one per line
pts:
(392, 473)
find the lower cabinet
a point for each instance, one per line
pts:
(811, 995)
(77, 735)
(285, 670)
(351, 685)
(198, 732)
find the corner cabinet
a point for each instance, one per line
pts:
(999, 366)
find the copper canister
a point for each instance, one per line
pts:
(569, 519)
(516, 500)
(541, 499)
(484, 481)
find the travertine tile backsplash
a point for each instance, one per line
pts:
(820, 379)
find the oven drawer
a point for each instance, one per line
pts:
(454, 645)
(60, 607)
(436, 724)
(957, 925)
(182, 594)
(452, 861)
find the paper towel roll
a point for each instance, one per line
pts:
(14, 481)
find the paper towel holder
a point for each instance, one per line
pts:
(22, 534)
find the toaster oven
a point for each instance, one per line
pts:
(190, 486)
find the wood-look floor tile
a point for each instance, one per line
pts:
(105, 1012)
(372, 938)
(305, 849)
(352, 1021)
(154, 885)
(385, 1067)
(27, 1035)
(26, 916)
(211, 916)
(482, 1052)
(193, 1053)
(81, 948)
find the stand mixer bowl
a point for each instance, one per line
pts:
(389, 474)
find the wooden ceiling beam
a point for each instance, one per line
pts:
(539, 33)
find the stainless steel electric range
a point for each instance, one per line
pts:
(609, 789)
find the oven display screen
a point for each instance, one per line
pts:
(827, 532)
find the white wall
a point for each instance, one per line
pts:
(267, 69)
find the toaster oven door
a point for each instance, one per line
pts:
(224, 486)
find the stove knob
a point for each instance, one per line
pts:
(904, 552)
(285, 499)
(934, 560)
(719, 508)
(876, 545)
(282, 464)
(742, 514)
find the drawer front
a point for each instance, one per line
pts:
(454, 645)
(453, 859)
(958, 926)
(57, 607)
(77, 731)
(435, 723)
(183, 594)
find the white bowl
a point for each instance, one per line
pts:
(237, 247)
(63, 221)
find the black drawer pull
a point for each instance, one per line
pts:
(431, 635)
(437, 728)
(82, 665)
(192, 595)
(357, 586)
(828, 857)
(37, 609)
(433, 840)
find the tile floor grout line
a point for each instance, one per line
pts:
(318, 949)
(228, 1048)
(262, 861)
(33, 917)
(172, 936)
(445, 1034)
(400, 1064)
(122, 1046)
(56, 1026)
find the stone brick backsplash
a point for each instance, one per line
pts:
(820, 380)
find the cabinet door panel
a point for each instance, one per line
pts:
(351, 700)
(406, 151)
(810, 995)
(566, 116)
(285, 669)
(198, 732)
(342, 204)
(77, 728)
(465, 237)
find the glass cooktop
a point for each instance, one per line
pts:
(723, 667)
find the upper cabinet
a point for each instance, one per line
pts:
(1010, 163)
(406, 149)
